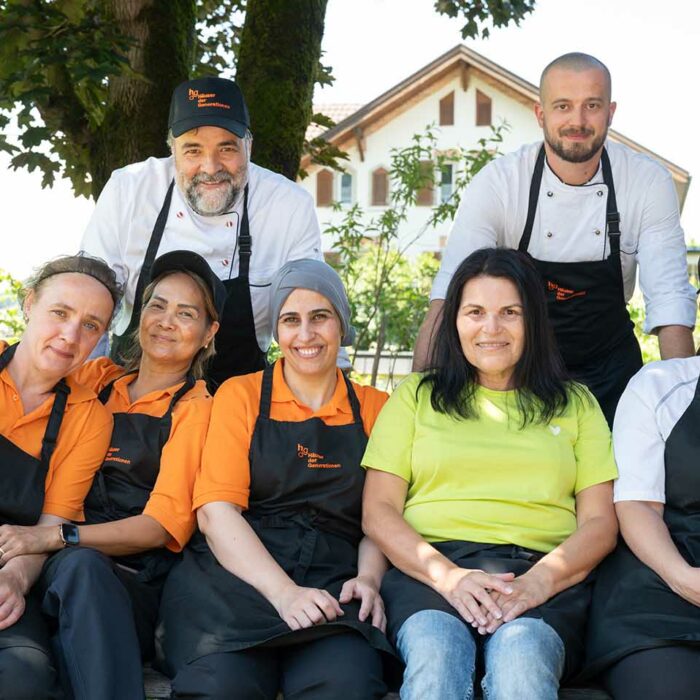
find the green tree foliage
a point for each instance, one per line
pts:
(11, 318)
(86, 83)
(388, 292)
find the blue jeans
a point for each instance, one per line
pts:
(524, 659)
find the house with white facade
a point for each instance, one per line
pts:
(463, 94)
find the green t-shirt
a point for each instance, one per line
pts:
(487, 479)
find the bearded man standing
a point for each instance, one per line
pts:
(207, 197)
(587, 211)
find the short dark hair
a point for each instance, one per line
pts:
(83, 264)
(539, 378)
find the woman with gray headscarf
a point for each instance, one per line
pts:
(283, 594)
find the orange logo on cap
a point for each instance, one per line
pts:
(204, 99)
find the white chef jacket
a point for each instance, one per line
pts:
(282, 218)
(653, 402)
(569, 225)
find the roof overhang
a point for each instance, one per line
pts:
(464, 62)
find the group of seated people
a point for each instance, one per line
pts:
(305, 534)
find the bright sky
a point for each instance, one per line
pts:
(374, 44)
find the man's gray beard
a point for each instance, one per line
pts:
(573, 153)
(212, 203)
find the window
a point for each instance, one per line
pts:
(380, 187)
(483, 109)
(445, 183)
(324, 188)
(425, 197)
(345, 188)
(447, 110)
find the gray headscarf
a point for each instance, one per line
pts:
(317, 276)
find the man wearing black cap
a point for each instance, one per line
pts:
(208, 197)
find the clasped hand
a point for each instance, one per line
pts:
(302, 607)
(486, 601)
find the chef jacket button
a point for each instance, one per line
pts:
(15, 397)
(599, 193)
(549, 234)
(597, 232)
(550, 193)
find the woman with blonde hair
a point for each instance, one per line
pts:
(53, 437)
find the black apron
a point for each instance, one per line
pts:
(123, 485)
(22, 501)
(586, 306)
(305, 506)
(633, 609)
(566, 612)
(237, 349)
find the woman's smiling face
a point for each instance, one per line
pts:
(491, 329)
(309, 333)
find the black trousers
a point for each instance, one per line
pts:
(342, 666)
(666, 673)
(102, 621)
(27, 669)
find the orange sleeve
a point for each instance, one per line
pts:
(96, 374)
(225, 472)
(170, 502)
(82, 444)
(371, 402)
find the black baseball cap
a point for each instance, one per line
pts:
(188, 261)
(208, 102)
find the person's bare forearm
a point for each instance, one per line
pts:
(122, 537)
(26, 569)
(404, 547)
(675, 341)
(646, 534)
(118, 538)
(239, 550)
(424, 341)
(371, 563)
(570, 562)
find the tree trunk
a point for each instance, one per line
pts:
(135, 126)
(277, 61)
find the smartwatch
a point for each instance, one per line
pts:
(69, 534)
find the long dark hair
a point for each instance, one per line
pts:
(539, 377)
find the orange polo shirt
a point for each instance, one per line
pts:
(225, 473)
(170, 502)
(81, 446)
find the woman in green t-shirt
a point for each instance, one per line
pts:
(489, 489)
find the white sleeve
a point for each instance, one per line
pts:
(639, 447)
(663, 274)
(479, 223)
(303, 225)
(102, 237)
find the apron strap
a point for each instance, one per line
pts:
(48, 444)
(7, 355)
(266, 392)
(62, 390)
(535, 183)
(106, 392)
(151, 252)
(166, 418)
(612, 216)
(354, 402)
(245, 241)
